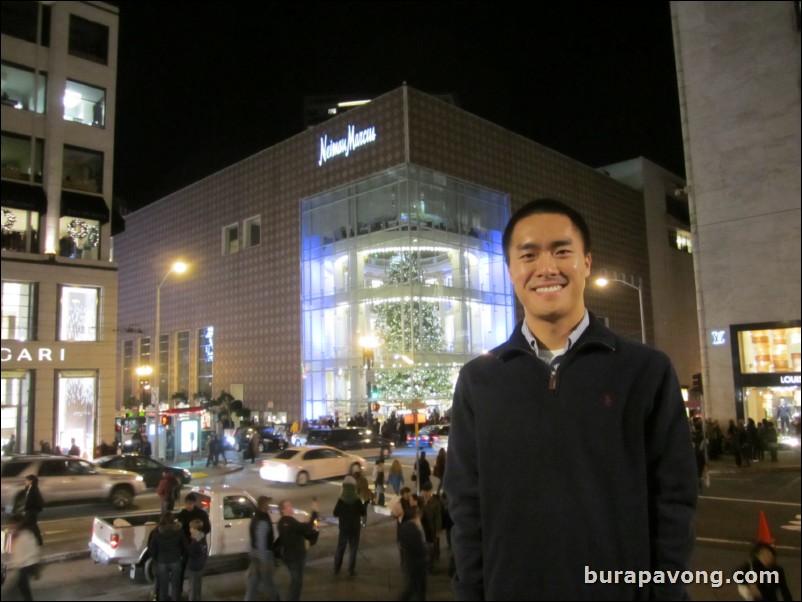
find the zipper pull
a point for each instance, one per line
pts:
(553, 381)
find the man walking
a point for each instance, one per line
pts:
(262, 570)
(529, 521)
(294, 535)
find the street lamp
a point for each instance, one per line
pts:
(179, 267)
(631, 282)
(368, 344)
(144, 373)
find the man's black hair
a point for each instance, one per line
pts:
(545, 206)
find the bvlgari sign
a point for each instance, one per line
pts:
(343, 146)
(42, 354)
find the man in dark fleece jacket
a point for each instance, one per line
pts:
(569, 453)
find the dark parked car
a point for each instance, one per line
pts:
(149, 468)
(270, 441)
(352, 439)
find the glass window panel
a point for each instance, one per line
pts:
(77, 398)
(128, 370)
(84, 104)
(83, 169)
(79, 238)
(19, 311)
(22, 88)
(89, 40)
(78, 313)
(22, 158)
(182, 361)
(205, 360)
(20, 230)
(773, 350)
(253, 231)
(230, 239)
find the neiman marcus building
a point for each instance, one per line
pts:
(383, 221)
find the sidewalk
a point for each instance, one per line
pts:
(787, 460)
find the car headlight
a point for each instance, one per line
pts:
(139, 477)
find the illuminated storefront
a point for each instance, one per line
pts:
(767, 366)
(413, 258)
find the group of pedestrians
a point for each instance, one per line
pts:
(179, 549)
(290, 546)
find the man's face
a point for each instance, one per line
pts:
(286, 509)
(548, 268)
(189, 505)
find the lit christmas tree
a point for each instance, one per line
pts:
(409, 326)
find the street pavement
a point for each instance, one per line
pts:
(379, 575)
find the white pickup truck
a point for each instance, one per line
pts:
(123, 540)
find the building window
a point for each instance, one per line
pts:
(16, 401)
(205, 361)
(83, 169)
(85, 104)
(252, 228)
(75, 417)
(19, 20)
(89, 40)
(164, 367)
(22, 88)
(128, 370)
(78, 238)
(22, 158)
(19, 311)
(182, 361)
(680, 239)
(78, 313)
(230, 239)
(20, 230)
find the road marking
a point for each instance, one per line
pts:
(794, 525)
(735, 499)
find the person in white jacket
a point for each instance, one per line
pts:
(23, 556)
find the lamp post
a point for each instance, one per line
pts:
(179, 267)
(144, 372)
(368, 344)
(635, 282)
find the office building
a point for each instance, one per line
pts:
(59, 285)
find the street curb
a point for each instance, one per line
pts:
(64, 556)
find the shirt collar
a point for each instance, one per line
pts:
(572, 339)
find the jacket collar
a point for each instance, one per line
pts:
(595, 334)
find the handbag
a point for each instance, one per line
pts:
(414, 477)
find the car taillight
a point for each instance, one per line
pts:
(115, 541)
(435, 438)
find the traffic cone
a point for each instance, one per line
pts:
(763, 533)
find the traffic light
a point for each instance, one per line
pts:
(374, 392)
(166, 420)
(374, 407)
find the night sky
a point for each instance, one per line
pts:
(202, 85)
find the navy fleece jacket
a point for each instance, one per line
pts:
(554, 477)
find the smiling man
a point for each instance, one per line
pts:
(569, 452)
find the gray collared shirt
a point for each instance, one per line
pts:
(551, 356)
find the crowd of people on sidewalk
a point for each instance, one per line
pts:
(747, 441)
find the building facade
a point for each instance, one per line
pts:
(59, 286)
(383, 222)
(738, 69)
(668, 233)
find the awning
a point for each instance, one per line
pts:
(87, 206)
(17, 195)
